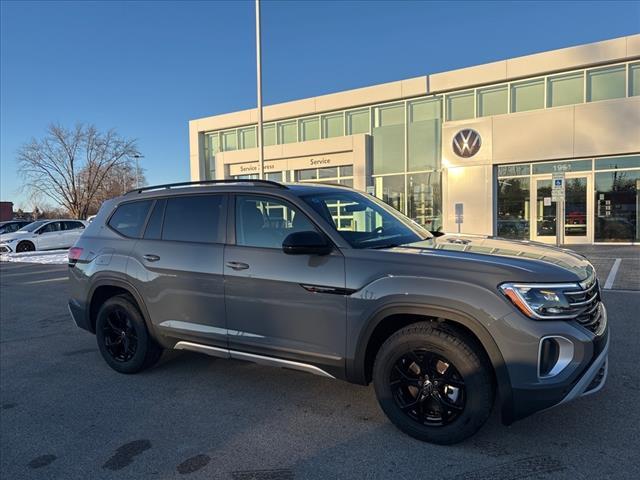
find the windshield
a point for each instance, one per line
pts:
(32, 226)
(364, 221)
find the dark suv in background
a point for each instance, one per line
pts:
(334, 282)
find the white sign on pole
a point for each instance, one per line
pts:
(557, 187)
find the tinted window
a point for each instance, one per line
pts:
(154, 226)
(32, 226)
(50, 227)
(73, 225)
(129, 218)
(265, 222)
(197, 218)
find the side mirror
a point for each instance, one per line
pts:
(306, 243)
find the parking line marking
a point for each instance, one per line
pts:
(36, 272)
(612, 274)
(58, 279)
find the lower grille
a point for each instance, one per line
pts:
(597, 380)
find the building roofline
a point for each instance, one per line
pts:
(533, 65)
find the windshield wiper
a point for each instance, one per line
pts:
(385, 245)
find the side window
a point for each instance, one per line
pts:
(154, 225)
(129, 218)
(73, 225)
(265, 221)
(50, 227)
(197, 218)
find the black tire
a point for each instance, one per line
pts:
(446, 405)
(123, 338)
(25, 246)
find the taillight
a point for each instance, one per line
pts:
(74, 255)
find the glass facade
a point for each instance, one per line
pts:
(602, 200)
(407, 140)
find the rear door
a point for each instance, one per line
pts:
(177, 267)
(72, 231)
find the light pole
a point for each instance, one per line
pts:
(259, 86)
(137, 156)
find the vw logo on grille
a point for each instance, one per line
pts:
(466, 143)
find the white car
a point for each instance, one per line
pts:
(43, 235)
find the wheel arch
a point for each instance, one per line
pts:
(390, 319)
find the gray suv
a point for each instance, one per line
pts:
(334, 282)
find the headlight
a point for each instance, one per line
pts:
(540, 301)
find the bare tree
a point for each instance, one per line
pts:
(69, 166)
(120, 179)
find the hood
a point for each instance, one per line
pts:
(537, 256)
(6, 237)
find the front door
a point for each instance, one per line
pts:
(51, 236)
(575, 223)
(279, 305)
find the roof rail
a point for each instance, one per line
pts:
(206, 182)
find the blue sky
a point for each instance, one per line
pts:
(146, 68)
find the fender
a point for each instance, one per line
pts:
(355, 367)
(111, 281)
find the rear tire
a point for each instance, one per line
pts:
(433, 384)
(25, 246)
(123, 338)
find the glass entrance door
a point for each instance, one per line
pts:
(575, 222)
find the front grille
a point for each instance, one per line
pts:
(588, 305)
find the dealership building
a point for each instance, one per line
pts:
(472, 150)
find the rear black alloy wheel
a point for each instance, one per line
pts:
(123, 338)
(428, 388)
(434, 383)
(119, 335)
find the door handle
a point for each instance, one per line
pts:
(237, 265)
(151, 258)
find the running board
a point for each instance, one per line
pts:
(251, 357)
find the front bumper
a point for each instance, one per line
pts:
(4, 248)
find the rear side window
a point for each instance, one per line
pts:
(73, 225)
(197, 218)
(129, 218)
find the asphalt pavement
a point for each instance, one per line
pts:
(65, 415)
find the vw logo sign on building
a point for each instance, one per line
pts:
(466, 143)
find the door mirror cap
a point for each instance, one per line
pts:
(306, 243)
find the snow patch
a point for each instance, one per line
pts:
(48, 257)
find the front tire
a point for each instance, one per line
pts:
(433, 384)
(25, 246)
(123, 338)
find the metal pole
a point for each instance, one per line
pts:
(259, 85)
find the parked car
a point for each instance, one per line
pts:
(334, 282)
(13, 225)
(43, 235)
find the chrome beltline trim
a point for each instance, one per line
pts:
(251, 357)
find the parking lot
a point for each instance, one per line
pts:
(64, 414)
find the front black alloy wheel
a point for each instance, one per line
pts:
(434, 383)
(123, 338)
(428, 388)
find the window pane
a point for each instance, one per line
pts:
(492, 101)
(287, 132)
(309, 174)
(527, 95)
(248, 137)
(616, 206)
(358, 121)
(154, 226)
(275, 176)
(346, 171)
(634, 79)
(266, 222)
(229, 141)
(332, 125)
(460, 106)
(269, 134)
(565, 90)
(557, 167)
(425, 126)
(309, 129)
(196, 218)
(391, 190)
(328, 172)
(211, 148)
(513, 208)
(511, 170)
(618, 162)
(606, 83)
(424, 199)
(388, 139)
(129, 218)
